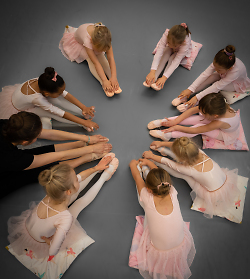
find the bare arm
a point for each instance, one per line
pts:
(152, 156)
(111, 60)
(61, 135)
(140, 184)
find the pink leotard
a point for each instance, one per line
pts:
(166, 231)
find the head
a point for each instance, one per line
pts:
(101, 37)
(59, 182)
(224, 59)
(22, 128)
(158, 182)
(177, 35)
(213, 106)
(186, 150)
(50, 83)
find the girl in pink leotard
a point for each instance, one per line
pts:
(90, 42)
(216, 187)
(216, 119)
(174, 45)
(162, 246)
(51, 226)
(226, 73)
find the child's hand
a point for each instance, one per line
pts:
(133, 163)
(104, 163)
(107, 86)
(150, 78)
(192, 102)
(90, 125)
(88, 112)
(168, 122)
(114, 83)
(47, 239)
(147, 154)
(185, 93)
(97, 138)
(143, 162)
(161, 81)
(172, 129)
(155, 145)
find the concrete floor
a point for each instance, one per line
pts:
(30, 33)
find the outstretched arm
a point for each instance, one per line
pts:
(111, 60)
(140, 184)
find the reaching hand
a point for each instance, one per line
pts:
(150, 78)
(107, 86)
(161, 81)
(47, 239)
(90, 125)
(114, 83)
(185, 93)
(88, 112)
(192, 102)
(171, 129)
(147, 154)
(104, 163)
(97, 138)
(155, 145)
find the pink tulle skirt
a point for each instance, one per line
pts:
(70, 48)
(219, 201)
(160, 264)
(21, 241)
(6, 106)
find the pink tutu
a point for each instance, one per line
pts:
(160, 264)
(6, 106)
(219, 201)
(70, 48)
(21, 241)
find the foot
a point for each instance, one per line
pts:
(118, 91)
(109, 94)
(155, 123)
(155, 87)
(145, 84)
(100, 150)
(182, 107)
(113, 165)
(160, 134)
(177, 101)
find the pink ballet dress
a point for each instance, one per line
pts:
(217, 187)
(25, 232)
(164, 248)
(74, 41)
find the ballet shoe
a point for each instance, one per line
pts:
(108, 93)
(118, 91)
(145, 84)
(113, 165)
(154, 124)
(155, 87)
(160, 134)
(111, 154)
(182, 107)
(177, 101)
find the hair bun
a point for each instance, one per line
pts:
(45, 177)
(16, 122)
(230, 48)
(49, 72)
(184, 141)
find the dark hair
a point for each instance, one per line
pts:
(158, 181)
(23, 126)
(178, 33)
(225, 57)
(213, 104)
(46, 83)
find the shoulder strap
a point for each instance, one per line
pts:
(28, 86)
(48, 207)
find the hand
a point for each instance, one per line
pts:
(133, 163)
(156, 144)
(114, 83)
(168, 122)
(192, 102)
(97, 138)
(185, 93)
(150, 78)
(172, 129)
(90, 125)
(143, 162)
(161, 81)
(47, 239)
(88, 112)
(148, 155)
(104, 163)
(107, 86)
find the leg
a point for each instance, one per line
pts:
(64, 104)
(165, 57)
(229, 87)
(93, 70)
(105, 64)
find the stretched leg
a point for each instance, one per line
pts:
(64, 104)
(164, 59)
(229, 87)
(105, 64)
(93, 70)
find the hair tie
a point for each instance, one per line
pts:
(229, 54)
(98, 24)
(163, 184)
(54, 78)
(184, 25)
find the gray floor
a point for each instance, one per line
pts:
(30, 33)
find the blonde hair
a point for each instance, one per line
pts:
(158, 181)
(177, 34)
(186, 150)
(56, 181)
(101, 37)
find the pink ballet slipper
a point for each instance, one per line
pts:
(182, 107)
(155, 87)
(145, 84)
(108, 93)
(118, 91)
(113, 165)
(177, 101)
(111, 154)
(155, 124)
(160, 134)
